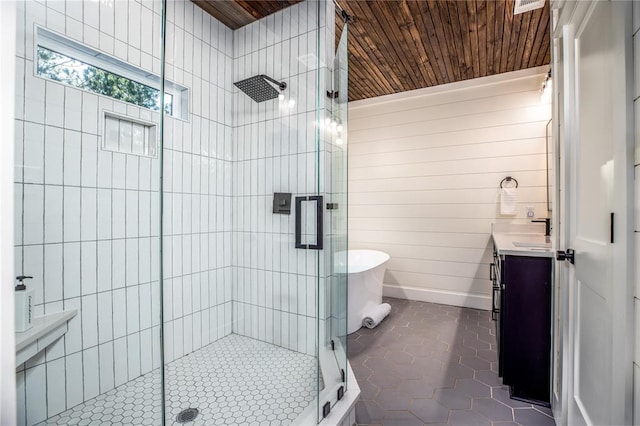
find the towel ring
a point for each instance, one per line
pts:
(508, 179)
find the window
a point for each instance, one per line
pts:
(64, 69)
(63, 60)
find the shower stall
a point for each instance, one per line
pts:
(181, 196)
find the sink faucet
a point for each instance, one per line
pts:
(547, 225)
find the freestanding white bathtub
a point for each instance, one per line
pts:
(365, 269)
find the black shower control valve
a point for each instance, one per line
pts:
(282, 202)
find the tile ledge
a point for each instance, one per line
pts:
(42, 326)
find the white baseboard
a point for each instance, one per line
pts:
(475, 301)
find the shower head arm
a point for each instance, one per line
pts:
(281, 84)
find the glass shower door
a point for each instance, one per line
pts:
(87, 198)
(339, 193)
(241, 297)
(335, 130)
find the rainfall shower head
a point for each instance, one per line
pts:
(259, 87)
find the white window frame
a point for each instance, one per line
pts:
(78, 51)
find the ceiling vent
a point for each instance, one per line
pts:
(521, 6)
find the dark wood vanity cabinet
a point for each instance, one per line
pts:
(496, 272)
(523, 324)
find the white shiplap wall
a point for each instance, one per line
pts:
(424, 173)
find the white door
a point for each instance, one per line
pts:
(560, 295)
(597, 185)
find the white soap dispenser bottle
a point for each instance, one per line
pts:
(24, 305)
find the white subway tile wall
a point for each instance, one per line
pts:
(275, 292)
(197, 255)
(88, 219)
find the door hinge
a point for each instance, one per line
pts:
(333, 345)
(326, 409)
(340, 392)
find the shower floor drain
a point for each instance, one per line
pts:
(188, 415)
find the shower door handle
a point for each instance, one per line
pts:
(319, 204)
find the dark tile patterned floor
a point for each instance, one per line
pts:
(434, 364)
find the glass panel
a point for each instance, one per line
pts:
(340, 194)
(240, 301)
(336, 179)
(87, 218)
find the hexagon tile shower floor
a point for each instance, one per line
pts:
(233, 381)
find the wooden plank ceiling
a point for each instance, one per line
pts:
(238, 13)
(396, 46)
(401, 45)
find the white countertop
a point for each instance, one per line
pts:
(521, 240)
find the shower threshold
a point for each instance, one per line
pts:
(236, 380)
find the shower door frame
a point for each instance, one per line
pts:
(335, 191)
